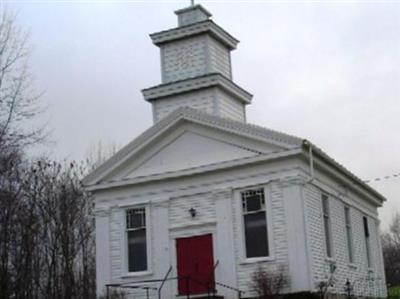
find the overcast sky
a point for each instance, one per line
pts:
(328, 71)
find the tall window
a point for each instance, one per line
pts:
(327, 225)
(367, 241)
(349, 234)
(136, 236)
(255, 223)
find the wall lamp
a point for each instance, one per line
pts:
(193, 212)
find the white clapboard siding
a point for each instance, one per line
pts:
(193, 57)
(116, 235)
(229, 107)
(369, 282)
(213, 101)
(184, 59)
(219, 58)
(118, 254)
(179, 209)
(202, 100)
(278, 246)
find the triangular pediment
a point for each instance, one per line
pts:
(188, 140)
(190, 150)
(189, 146)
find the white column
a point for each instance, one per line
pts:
(103, 269)
(296, 235)
(160, 244)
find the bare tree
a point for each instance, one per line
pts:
(66, 229)
(18, 100)
(18, 222)
(391, 251)
(100, 152)
(46, 223)
(9, 210)
(46, 231)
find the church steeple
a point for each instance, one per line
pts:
(196, 68)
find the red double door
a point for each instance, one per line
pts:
(195, 263)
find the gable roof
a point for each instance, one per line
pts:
(195, 116)
(283, 140)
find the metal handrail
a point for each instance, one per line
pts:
(212, 277)
(166, 278)
(163, 282)
(240, 292)
(128, 287)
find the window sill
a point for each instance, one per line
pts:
(254, 260)
(330, 260)
(137, 274)
(352, 266)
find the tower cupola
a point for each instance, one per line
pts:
(196, 68)
(192, 14)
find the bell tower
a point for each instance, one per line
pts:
(196, 69)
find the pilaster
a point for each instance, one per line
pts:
(225, 272)
(103, 269)
(299, 266)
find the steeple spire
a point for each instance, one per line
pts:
(196, 68)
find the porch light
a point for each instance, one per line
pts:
(193, 212)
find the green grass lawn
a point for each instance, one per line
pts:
(394, 292)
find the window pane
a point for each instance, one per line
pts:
(253, 200)
(253, 203)
(367, 245)
(366, 230)
(327, 237)
(256, 235)
(327, 225)
(347, 215)
(349, 245)
(137, 252)
(349, 234)
(325, 207)
(135, 218)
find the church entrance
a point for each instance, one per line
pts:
(195, 264)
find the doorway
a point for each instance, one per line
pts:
(195, 264)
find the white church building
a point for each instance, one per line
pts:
(202, 200)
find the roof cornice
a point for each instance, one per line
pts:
(195, 116)
(354, 181)
(291, 143)
(196, 83)
(197, 170)
(207, 26)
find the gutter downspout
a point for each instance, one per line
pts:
(306, 224)
(311, 160)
